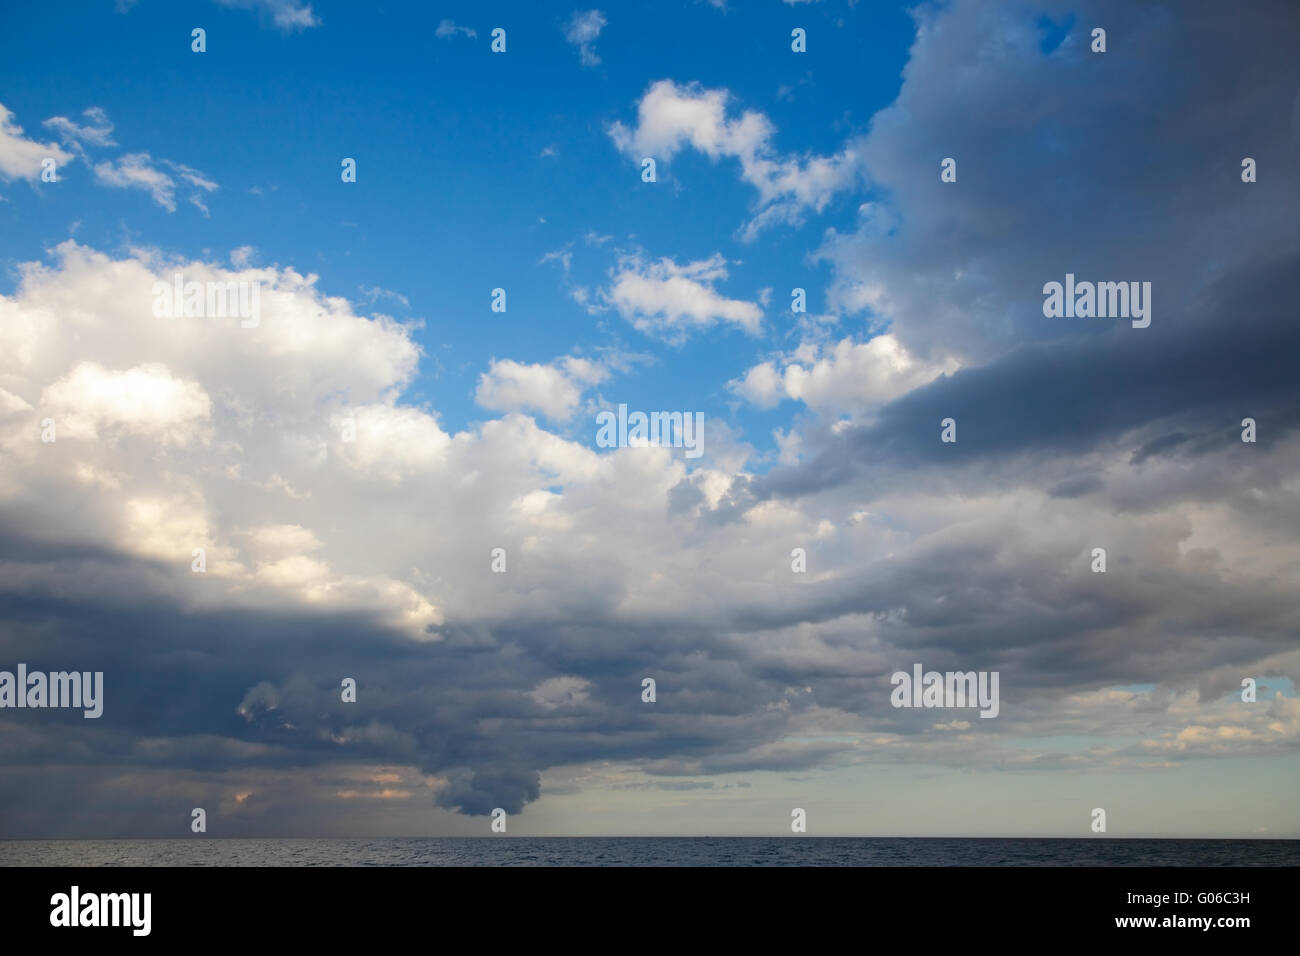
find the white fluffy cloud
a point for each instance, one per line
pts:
(145, 399)
(845, 377)
(671, 300)
(160, 425)
(554, 389)
(282, 451)
(20, 158)
(672, 117)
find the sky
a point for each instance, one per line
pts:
(394, 473)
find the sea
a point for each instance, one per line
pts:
(652, 851)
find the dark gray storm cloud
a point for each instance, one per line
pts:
(1192, 379)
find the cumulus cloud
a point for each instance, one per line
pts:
(554, 389)
(671, 117)
(20, 158)
(172, 391)
(145, 399)
(670, 300)
(847, 376)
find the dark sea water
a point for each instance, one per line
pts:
(652, 851)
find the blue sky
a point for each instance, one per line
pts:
(457, 193)
(229, 520)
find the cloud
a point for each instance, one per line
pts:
(1225, 728)
(145, 399)
(582, 31)
(348, 532)
(958, 268)
(561, 692)
(1151, 393)
(175, 399)
(373, 294)
(97, 132)
(138, 171)
(846, 376)
(286, 15)
(374, 552)
(672, 117)
(563, 256)
(448, 28)
(481, 792)
(21, 158)
(670, 300)
(554, 389)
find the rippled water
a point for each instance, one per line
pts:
(651, 851)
